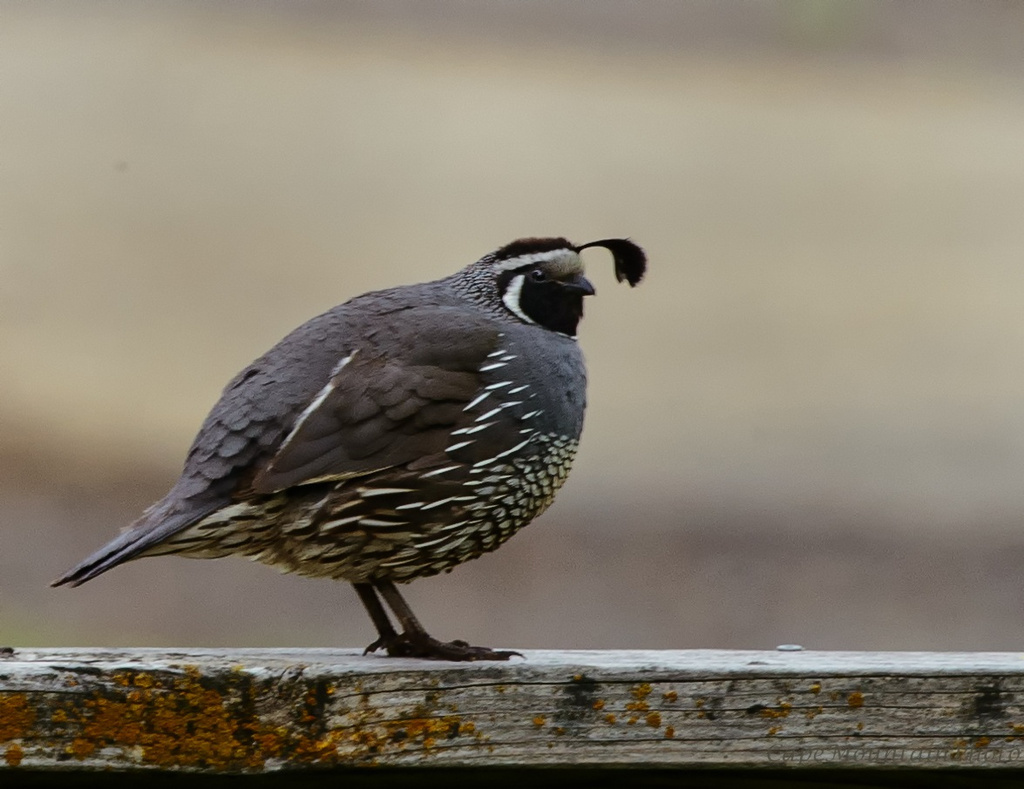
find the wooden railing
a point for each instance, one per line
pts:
(219, 711)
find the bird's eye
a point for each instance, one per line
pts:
(537, 275)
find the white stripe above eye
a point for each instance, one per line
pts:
(536, 257)
(510, 298)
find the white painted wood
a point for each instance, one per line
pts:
(219, 710)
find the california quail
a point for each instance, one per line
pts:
(393, 437)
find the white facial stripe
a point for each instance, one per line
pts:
(551, 256)
(511, 298)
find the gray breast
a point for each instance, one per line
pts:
(551, 366)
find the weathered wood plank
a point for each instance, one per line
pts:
(216, 711)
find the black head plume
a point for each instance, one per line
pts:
(630, 260)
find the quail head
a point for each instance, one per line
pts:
(393, 437)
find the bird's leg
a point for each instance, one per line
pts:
(385, 630)
(416, 642)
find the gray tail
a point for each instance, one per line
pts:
(151, 529)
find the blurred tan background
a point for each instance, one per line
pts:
(807, 426)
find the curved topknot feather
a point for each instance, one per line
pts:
(630, 259)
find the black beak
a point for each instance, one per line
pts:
(578, 284)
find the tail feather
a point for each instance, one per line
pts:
(159, 523)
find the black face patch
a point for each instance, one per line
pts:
(550, 303)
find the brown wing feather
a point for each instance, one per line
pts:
(383, 409)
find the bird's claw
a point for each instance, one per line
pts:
(423, 646)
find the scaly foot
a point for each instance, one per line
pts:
(423, 646)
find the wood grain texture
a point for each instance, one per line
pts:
(216, 711)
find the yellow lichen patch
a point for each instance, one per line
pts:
(698, 703)
(610, 718)
(670, 732)
(815, 688)
(670, 695)
(270, 742)
(13, 755)
(559, 731)
(428, 729)
(774, 730)
(855, 700)
(814, 712)
(539, 721)
(638, 706)
(317, 749)
(641, 691)
(653, 719)
(213, 723)
(309, 714)
(16, 716)
(982, 742)
(141, 680)
(186, 725)
(782, 711)
(80, 748)
(599, 704)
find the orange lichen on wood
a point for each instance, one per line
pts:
(184, 725)
(17, 717)
(81, 748)
(184, 720)
(13, 755)
(641, 691)
(639, 694)
(782, 711)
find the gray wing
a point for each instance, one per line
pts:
(386, 407)
(330, 401)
